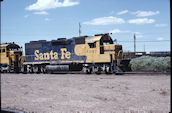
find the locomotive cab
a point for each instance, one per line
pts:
(11, 55)
(108, 47)
(114, 51)
(101, 53)
(103, 44)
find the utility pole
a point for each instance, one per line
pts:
(134, 43)
(79, 29)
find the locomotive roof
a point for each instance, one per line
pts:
(4, 45)
(93, 39)
(10, 45)
(103, 37)
(78, 40)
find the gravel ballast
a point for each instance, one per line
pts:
(81, 93)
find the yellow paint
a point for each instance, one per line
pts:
(10, 56)
(62, 61)
(41, 56)
(36, 54)
(47, 56)
(56, 55)
(65, 54)
(93, 54)
(109, 47)
(80, 49)
(52, 55)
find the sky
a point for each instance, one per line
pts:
(23, 21)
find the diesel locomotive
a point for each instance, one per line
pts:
(10, 57)
(93, 54)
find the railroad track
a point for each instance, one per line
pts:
(119, 73)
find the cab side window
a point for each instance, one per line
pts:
(2, 50)
(92, 45)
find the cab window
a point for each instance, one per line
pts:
(2, 50)
(106, 43)
(13, 49)
(92, 45)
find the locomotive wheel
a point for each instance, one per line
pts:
(108, 70)
(43, 70)
(35, 69)
(29, 69)
(97, 70)
(89, 71)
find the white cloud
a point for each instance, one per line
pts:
(160, 38)
(122, 12)
(105, 21)
(160, 25)
(145, 13)
(26, 16)
(141, 21)
(138, 34)
(49, 4)
(41, 13)
(118, 31)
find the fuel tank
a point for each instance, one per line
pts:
(64, 67)
(57, 67)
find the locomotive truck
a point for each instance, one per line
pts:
(93, 54)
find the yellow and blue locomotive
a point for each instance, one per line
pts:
(94, 54)
(10, 57)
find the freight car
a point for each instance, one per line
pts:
(10, 57)
(159, 53)
(94, 54)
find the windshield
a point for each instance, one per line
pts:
(14, 49)
(106, 43)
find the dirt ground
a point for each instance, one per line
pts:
(81, 93)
